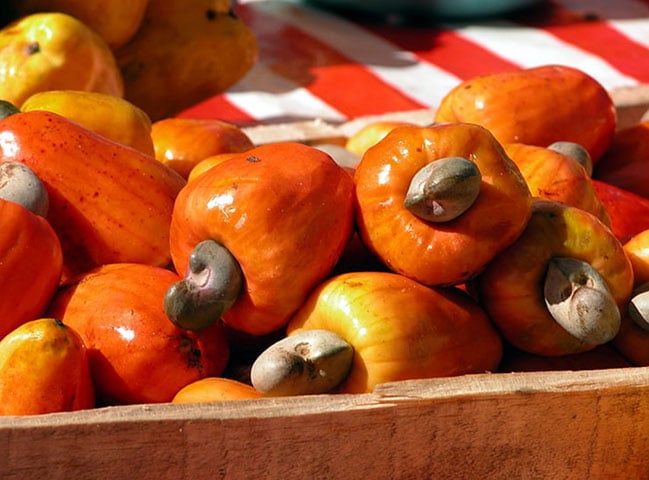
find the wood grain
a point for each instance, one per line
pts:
(560, 425)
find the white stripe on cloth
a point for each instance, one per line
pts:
(421, 81)
(530, 47)
(266, 96)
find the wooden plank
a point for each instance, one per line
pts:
(631, 103)
(562, 425)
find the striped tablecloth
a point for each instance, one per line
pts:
(317, 64)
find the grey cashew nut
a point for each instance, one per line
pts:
(579, 300)
(443, 189)
(211, 286)
(576, 152)
(308, 362)
(638, 307)
(19, 184)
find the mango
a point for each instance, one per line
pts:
(44, 369)
(51, 51)
(110, 116)
(116, 21)
(184, 53)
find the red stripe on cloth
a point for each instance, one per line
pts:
(218, 107)
(346, 86)
(591, 34)
(447, 50)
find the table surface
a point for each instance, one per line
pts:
(316, 63)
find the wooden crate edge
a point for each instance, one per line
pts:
(546, 425)
(460, 388)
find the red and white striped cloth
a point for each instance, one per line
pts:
(316, 64)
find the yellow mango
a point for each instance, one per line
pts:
(183, 53)
(44, 369)
(52, 51)
(112, 117)
(116, 21)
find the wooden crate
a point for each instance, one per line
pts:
(562, 425)
(543, 425)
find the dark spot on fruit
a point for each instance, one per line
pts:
(192, 354)
(32, 48)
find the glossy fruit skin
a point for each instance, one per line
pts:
(44, 369)
(629, 213)
(51, 51)
(446, 253)
(284, 211)
(536, 106)
(31, 261)
(115, 21)
(184, 53)
(207, 163)
(108, 115)
(637, 249)
(181, 143)
(632, 340)
(369, 135)
(108, 203)
(626, 162)
(136, 354)
(511, 287)
(400, 329)
(553, 176)
(215, 389)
